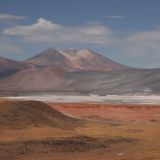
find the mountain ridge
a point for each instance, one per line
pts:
(76, 60)
(9, 66)
(75, 71)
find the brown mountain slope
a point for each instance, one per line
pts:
(36, 79)
(82, 71)
(51, 57)
(87, 60)
(76, 60)
(8, 67)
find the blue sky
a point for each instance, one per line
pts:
(127, 31)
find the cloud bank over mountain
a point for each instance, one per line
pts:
(135, 46)
(47, 31)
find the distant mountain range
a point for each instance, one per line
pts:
(75, 72)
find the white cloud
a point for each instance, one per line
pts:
(11, 17)
(6, 48)
(47, 31)
(41, 27)
(116, 16)
(142, 48)
(142, 43)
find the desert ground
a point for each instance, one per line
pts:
(34, 130)
(118, 113)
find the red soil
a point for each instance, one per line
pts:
(111, 112)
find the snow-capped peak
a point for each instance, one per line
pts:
(75, 54)
(84, 52)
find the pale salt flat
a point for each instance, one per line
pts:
(136, 99)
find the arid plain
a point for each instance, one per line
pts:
(32, 130)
